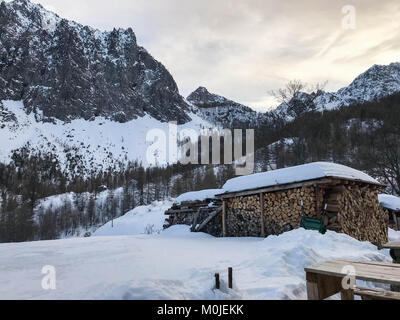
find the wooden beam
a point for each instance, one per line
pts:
(327, 180)
(317, 202)
(223, 218)
(347, 294)
(273, 188)
(194, 223)
(321, 286)
(376, 294)
(262, 214)
(230, 277)
(217, 285)
(208, 219)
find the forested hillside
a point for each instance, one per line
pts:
(363, 136)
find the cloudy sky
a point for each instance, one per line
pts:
(244, 49)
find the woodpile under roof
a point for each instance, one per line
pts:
(272, 202)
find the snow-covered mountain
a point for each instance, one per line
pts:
(63, 70)
(81, 146)
(376, 83)
(224, 112)
(90, 97)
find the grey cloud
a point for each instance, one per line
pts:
(242, 49)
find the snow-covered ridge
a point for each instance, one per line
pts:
(68, 71)
(222, 111)
(96, 145)
(309, 171)
(377, 82)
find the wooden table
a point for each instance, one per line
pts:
(325, 279)
(394, 250)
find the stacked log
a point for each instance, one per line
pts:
(282, 211)
(353, 209)
(361, 215)
(285, 207)
(243, 216)
(187, 212)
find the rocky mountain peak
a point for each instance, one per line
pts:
(62, 69)
(202, 98)
(377, 82)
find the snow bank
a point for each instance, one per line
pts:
(174, 265)
(389, 202)
(309, 171)
(141, 220)
(198, 195)
(394, 236)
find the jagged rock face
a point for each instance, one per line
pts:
(224, 112)
(376, 83)
(64, 70)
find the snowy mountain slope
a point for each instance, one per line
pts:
(72, 204)
(175, 264)
(224, 112)
(67, 71)
(141, 220)
(376, 83)
(82, 146)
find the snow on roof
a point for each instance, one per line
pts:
(389, 202)
(198, 195)
(309, 171)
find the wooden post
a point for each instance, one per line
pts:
(262, 214)
(396, 221)
(217, 281)
(347, 294)
(317, 204)
(230, 278)
(223, 218)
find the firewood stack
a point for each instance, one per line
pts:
(352, 209)
(282, 212)
(361, 215)
(185, 213)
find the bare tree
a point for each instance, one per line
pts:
(293, 87)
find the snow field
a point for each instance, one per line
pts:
(172, 264)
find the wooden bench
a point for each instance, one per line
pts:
(325, 279)
(376, 294)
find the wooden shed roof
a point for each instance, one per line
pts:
(295, 177)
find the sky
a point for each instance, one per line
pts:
(244, 49)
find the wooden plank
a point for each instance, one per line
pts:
(362, 270)
(196, 215)
(262, 214)
(391, 245)
(368, 271)
(208, 219)
(347, 294)
(317, 202)
(274, 188)
(312, 286)
(179, 211)
(217, 284)
(230, 277)
(320, 287)
(223, 218)
(327, 180)
(376, 294)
